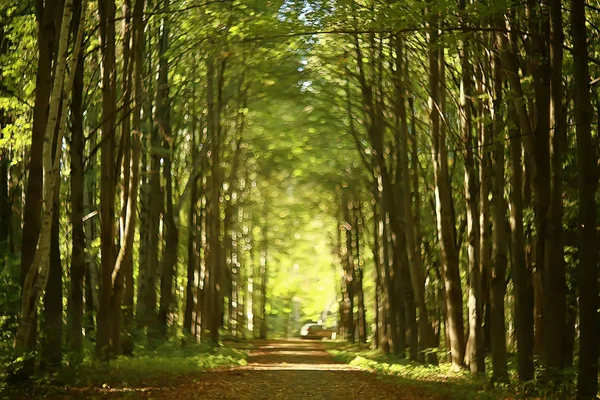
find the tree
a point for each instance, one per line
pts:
(37, 276)
(587, 184)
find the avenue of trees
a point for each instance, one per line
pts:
(191, 170)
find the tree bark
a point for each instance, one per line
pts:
(264, 271)
(215, 270)
(474, 356)
(498, 269)
(107, 12)
(362, 314)
(417, 275)
(32, 218)
(52, 349)
(127, 165)
(553, 273)
(163, 112)
(521, 275)
(444, 210)
(78, 257)
(191, 298)
(381, 339)
(485, 257)
(6, 225)
(37, 276)
(349, 273)
(541, 74)
(587, 185)
(90, 231)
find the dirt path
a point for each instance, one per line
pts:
(290, 370)
(276, 370)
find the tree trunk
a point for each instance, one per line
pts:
(191, 298)
(483, 136)
(90, 231)
(264, 271)
(127, 175)
(474, 356)
(417, 275)
(349, 273)
(521, 275)
(380, 266)
(150, 204)
(141, 104)
(6, 236)
(362, 315)
(32, 218)
(498, 270)
(541, 74)
(215, 269)
(554, 280)
(163, 112)
(52, 327)
(395, 326)
(587, 185)
(37, 276)
(444, 210)
(106, 9)
(78, 257)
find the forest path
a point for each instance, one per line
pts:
(290, 370)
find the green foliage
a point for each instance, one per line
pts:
(442, 379)
(439, 379)
(169, 361)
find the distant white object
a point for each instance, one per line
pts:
(317, 331)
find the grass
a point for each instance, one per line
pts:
(147, 367)
(443, 380)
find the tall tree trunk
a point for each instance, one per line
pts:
(498, 268)
(127, 165)
(32, 218)
(37, 277)
(587, 185)
(78, 258)
(554, 280)
(6, 235)
(90, 231)
(192, 262)
(349, 273)
(521, 275)
(150, 202)
(149, 297)
(264, 271)
(485, 256)
(52, 350)
(163, 112)
(381, 299)
(444, 210)
(377, 341)
(141, 312)
(35, 281)
(106, 9)
(362, 315)
(215, 269)
(541, 73)
(474, 356)
(137, 59)
(417, 275)
(395, 324)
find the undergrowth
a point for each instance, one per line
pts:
(168, 361)
(443, 380)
